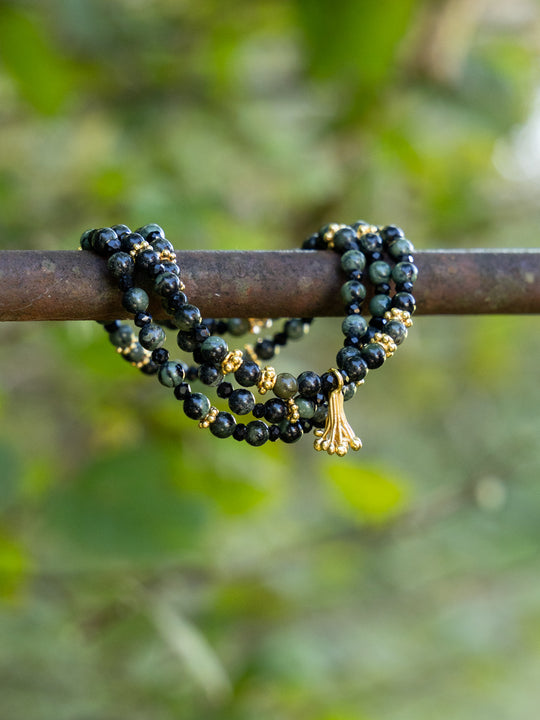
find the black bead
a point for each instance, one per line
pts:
(273, 433)
(256, 433)
(210, 324)
(224, 389)
(319, 419)
(344, 239)
(305, 424)
(160, 244)
(125, 282)
(112, 326)
(291, 432)
(309, 384)
(275, 410)
(195, 406)
(405, 287)
(375, 256)
(353, 341)
(258, 410)
(354, 308)
(192, 373)
(355, 368)
(265, 349)
(129, 240)
(158, 269)
(356, 275)
(120, 264)
(221, 327)
(310, 243)
(241, 402)
(239, 431)
(369, 334)
(171, 267)
(280, 338)
(200, 333)
(370, 242)
(223, 426)
(147, 259)
(248, 373)
(198, 356)
(382, 289)
(101, 238)
(152, 230)
(174, 302)
(329, 382)
(209, 374)
(346, 353)
(391, 233)
(149, 368)
(160, 356)
(182, 391)
(374, 355)
(378, 323)
(167, 284)
(186, 340)
(121, 230)
(142, 318)
(112, 246)
(404, 301)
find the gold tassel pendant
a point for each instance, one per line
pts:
(338, 435)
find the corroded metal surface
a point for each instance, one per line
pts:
(66, 285)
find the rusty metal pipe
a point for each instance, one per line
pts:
(67, 285)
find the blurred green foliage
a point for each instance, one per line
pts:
(148, 570)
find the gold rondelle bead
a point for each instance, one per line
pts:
(267, 380)
(232, 362)
(209, 418)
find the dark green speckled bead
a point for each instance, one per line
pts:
(135, 300)
(379, 272)
(214, 349)
(379, 304)
(196, 406)
(187, 317)
(171, 373)
(349, 391)
(353, 260)
(152, 336)
(238, 326)
(122, 337)
(405, 272)
(286, 386)
(294, 328)
(396, 330)
(256, 433)
(401, 247)
(306, 408)
(352, 291)
(354, 325)
(223, 426)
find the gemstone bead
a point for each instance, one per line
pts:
(151, 336)
(182, 391)
(290, 432)
(352, 291)
(345, 354)
(329, 382)
(151, 229)
(121, 230)
(196, 406)
(160, 356)
(209, 374)
(239, 431)
(256, 433)
(285, 386)
(122, 337)
(101, 238)
(404, 272)
(355, 368)
(238, 326)
(248, 373)
(402, 246)
(224, 389)
(214, 349)
(171, 373)
(391, 233)
(370, 242)
(344, 238)
(223, 426)
(306, 408)
(379, 304)
(309, 384)
(265, 349)
(120, 264)
(187, 317)
(374, 355)
(354, 325)
(135, 300)
(396, 330)
(294, 329)
(166, 284)
(275, 410)
(319, 418)
(241, 402)
(404, 301)
(379, 272)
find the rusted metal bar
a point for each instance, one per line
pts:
(66, 285)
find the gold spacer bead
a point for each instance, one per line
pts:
(329, 234)
(387, 343)
(267, 380)
(209, 418)
(293, 415)
(232, 361)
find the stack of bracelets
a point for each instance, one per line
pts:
(380, 255)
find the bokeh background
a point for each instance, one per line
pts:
(149, 570)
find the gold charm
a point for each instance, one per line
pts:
(337, 435)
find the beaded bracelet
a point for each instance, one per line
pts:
(381, 255)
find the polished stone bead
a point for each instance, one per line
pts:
(402, 246)
(352, 291)
(273, 433)
(396, 330)
(214, 349)
(349, 391)
(135, 300)
(280, 339)
(187, 317)
(121, 230)
(224, 389)
(149, 368)
(186, 340)
(290, 432)
(171, 373)
(275, 410)
(306, 408)
(174, 302)
(223, 426)
(147, 259)
(310, 243)
(182, 391)
(238, 326)
(201, 333)
(354, 308)
(346, 353)
(370, 242)
(309, 384)
(239, 432)
(355, 368)
(377, 322)
(258, 410)
(391, 233)
(265, 349)
(353, 341)
(209, 374)
(151, 228)
(373, 354)
(86, 240)
(319, 418)
(353, 260)
(354, 325)
(161, 244)
(152, 336)
(160, 356)
(285, 386)
(125, 282)
(101, 238)
(122, 337)
(241, 402)
(404, 287)
(404, 272)
(248, 373)
(294, 328)
(379, 304)
(197, 356)
(256, 433)
(379, 272)
(404, 301)
(343, 239)
(329, 382)
(142, 318)
(136, 354)
(130, 240)
(196, 406)
(120, 264)
(110, 327)
(167, 284)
